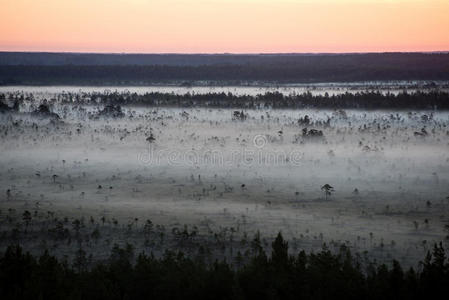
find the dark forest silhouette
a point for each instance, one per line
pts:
(280, 275)
(364, 100)
(143, 69)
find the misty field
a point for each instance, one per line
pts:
(175, 178)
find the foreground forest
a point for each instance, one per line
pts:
(127, 275)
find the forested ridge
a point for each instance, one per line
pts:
(114, 69)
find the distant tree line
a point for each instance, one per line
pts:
(364, 100)
(321, 275)
(299, 59)
(83, 69)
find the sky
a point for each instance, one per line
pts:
(224, 26)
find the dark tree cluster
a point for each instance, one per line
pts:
(111, 110)
(362, 100)
(5, 107)
(321, 275)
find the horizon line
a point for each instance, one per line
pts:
(230, 53)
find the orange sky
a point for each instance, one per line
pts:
(217, 26)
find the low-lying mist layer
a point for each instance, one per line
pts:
(372, 180)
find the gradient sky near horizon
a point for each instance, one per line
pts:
(218, 26)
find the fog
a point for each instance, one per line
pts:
(206, 168)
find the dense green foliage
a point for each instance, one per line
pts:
(321, 275)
